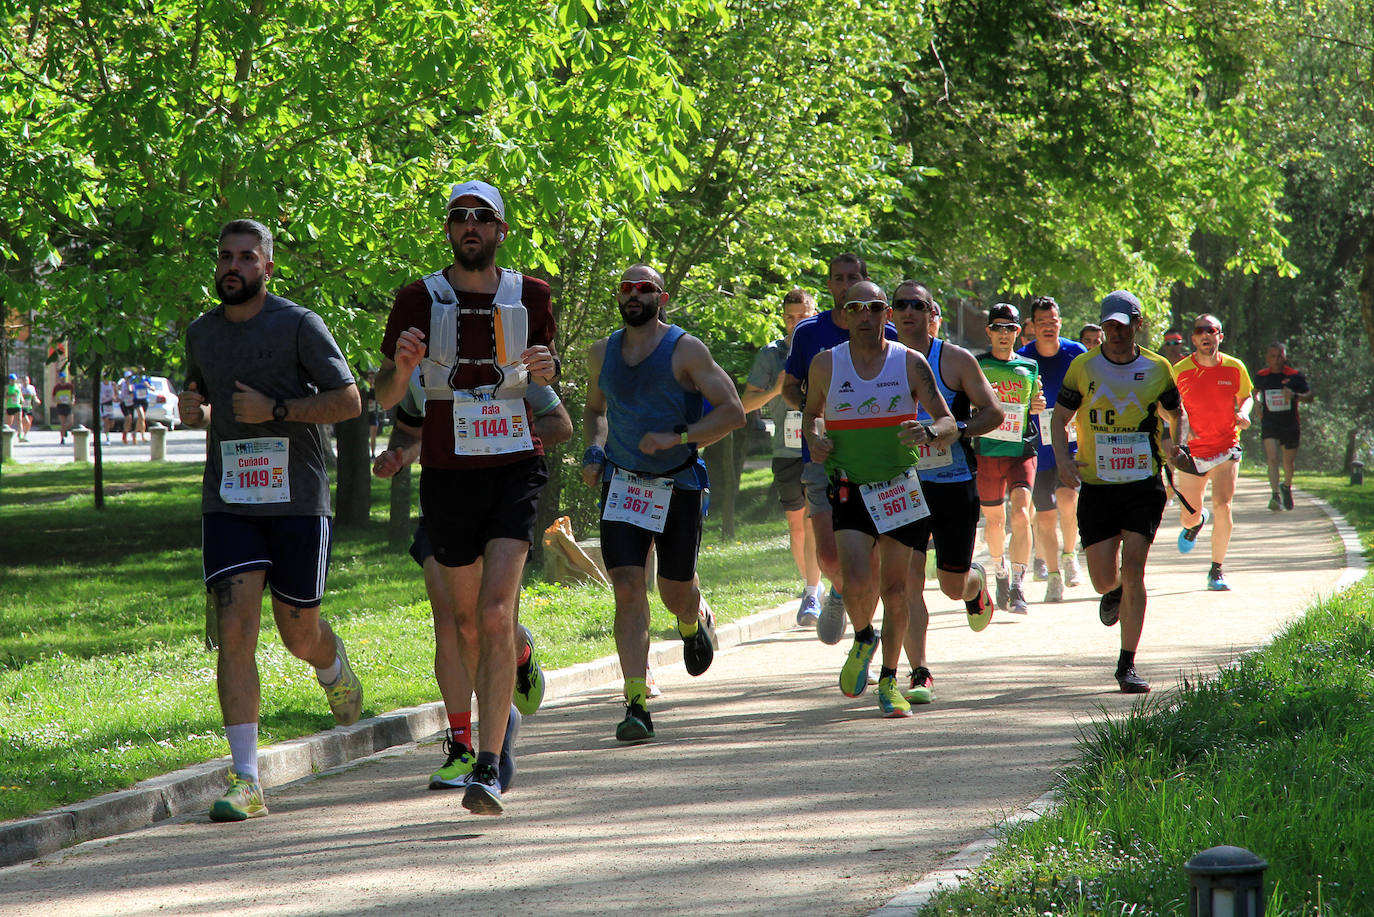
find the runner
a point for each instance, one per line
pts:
(64, 396)
(1172, 348)
(867, 390)
(451, 670)
(141, 386)
(1281, 388)
(107, 408)
(1116, 396)
(31, 404)
(764, 387)
(263, 375)
(644, 424)
(1215, 388)
(946, 481)
(479, 334)
(810, 338)
(126, 404)
(1006, 456)
(1090, 336)
(14, 406)
(1056, 506)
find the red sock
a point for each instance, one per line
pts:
(461, 724)
(525, 654)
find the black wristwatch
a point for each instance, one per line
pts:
(279, 410)
(930, 434)
(557, 367)
(681, 430)
(962, 427)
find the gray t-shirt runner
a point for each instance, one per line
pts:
(284, 351)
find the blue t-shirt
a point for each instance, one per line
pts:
(1052, 370)
(810, 337)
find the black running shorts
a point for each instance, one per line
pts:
(787, 476)
(952, 523)
(466, 508)
(1288, 437)
(849, 512)
(624, 544)
(294, 550)
(1107, 510)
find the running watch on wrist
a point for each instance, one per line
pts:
(279, 410)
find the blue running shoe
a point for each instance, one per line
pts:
(1216, 582)
(810, 611)
(1187, 539)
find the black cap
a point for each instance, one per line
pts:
(1120, 306)
(1004, 312)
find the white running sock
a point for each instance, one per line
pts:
(243, 748)
(1018, 573)
(330, 675)
(814, 591)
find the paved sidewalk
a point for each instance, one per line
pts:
(766, 791)
(44, 446)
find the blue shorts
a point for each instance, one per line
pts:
(294, 550)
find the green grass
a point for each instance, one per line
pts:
(104, 679)
(1275, 755)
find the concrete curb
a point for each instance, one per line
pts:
(192, 789)
(968, 858)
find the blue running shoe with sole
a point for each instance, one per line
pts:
(1187, 539)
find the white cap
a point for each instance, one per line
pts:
(484, 192)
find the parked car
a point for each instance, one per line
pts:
(162, 402)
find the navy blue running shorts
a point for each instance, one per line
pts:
(294, 550)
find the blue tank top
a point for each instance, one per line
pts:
(959, 471)
(647, 397)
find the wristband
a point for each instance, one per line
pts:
(595, 455)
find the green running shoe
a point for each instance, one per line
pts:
(242, 801)
(922, 690)
(529, 680)
(854, 672)
(345, 695)
(890, 699)
(458, 763)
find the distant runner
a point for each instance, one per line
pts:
(1280, 388)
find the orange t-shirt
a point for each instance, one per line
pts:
(1211, 395)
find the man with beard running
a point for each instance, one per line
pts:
(644, 422)
(1117, 395)
(479, 334)
(946, 480)
(264, 376)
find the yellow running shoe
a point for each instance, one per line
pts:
(242, 801)
(345, 695)
(890, 699)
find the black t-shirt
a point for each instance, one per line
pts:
(1276, 391)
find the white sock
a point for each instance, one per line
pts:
(1018, 573)
(330, 675)
(814, 591)
(1000, 565)
(243, 748)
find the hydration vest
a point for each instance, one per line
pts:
(509, 333)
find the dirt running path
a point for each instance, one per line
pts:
(767, 791)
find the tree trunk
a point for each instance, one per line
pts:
(1366, 288)
(720, 465)
(1350, 443)
(353, 493)
(398, 522)
(97, 434)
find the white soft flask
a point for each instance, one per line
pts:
(512, 337)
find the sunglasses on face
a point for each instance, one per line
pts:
(901, 305)
(1004, 326)
(630, 287)
(1206, 329)
(479, 214)
(859, 305)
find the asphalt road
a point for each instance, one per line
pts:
(766, 791)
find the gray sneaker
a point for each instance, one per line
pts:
(1054, 591)
(1042, 570)
(1068, 563)
(831, 626)
(345, 695)
(1016, 600)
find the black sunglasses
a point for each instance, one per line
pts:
(901, 305)
(480, 214)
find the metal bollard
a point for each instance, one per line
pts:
(81, 444)
(157, 442)
(1356, 473)
(1226, 882)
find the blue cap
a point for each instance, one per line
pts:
(1120, 306)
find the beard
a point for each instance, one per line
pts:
(479, 260)
(644, 313)
(246, 291)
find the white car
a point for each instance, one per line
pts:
(162, 402)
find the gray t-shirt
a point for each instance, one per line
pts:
(768, 365)
(284, 351)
